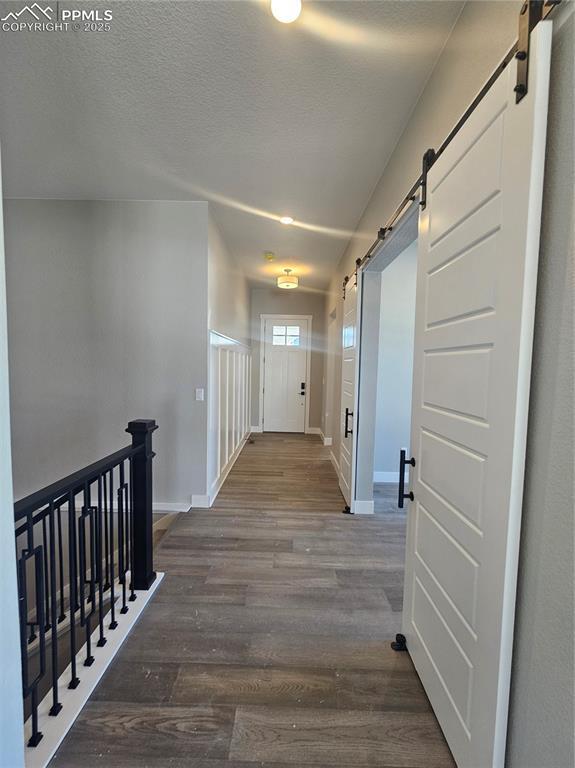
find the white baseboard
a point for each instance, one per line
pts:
(313, 431)
(388, 477)
(256, 429)
(217, 484)
(171, 506)
(200, 501)
(55, 728)
(359, 507)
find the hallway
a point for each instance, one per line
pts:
(267, 643)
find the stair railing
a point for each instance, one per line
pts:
(83, 547)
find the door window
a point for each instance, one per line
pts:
(286, 335)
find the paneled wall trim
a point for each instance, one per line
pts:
(229, 408)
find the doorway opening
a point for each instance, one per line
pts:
(394, 376)
(285, 372)
(385, 368)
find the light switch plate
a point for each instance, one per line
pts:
(200, 394)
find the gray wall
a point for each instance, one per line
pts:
(541, 714)
(11, 715)
(395, 363)
(275, 301)
(107, 320)
(229, 292)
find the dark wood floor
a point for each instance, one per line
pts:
(267, 643)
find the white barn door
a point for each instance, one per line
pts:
(348, 389)
(477, 269)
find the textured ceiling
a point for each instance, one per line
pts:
(214, 99)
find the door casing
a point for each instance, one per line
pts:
(405, 232)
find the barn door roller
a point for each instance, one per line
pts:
(428, 160)
(530, 15)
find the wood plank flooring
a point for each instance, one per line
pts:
(267, 643)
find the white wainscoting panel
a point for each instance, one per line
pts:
(229, 407)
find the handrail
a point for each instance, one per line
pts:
(73, 483)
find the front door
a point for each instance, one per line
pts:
(477, 271)
(285, 381)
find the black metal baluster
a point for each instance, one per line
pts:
(103, 480)
(23, 614)
(99, 568)
(121, 539)
(31, 687)
(56, 706)
(91, 515)
(113, 623)
(30, 547)
(41, 621)
(47, 565)
(74, 680)
(130, 513)
(85, 615)
(62, 615)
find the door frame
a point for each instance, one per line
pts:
(354, 508)
(263, 318)
(405, 232)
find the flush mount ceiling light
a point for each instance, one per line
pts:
(286, 220)
(286, 11)
(288, 280)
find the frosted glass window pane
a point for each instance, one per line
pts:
(279, 341)
(293, 341)
(279, 330)
(293, 330)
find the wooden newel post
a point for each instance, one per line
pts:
(143, 562)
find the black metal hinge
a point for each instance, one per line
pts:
(428, 160)
(529, 16)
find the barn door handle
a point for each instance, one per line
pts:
(402, 462)
(347, 431)
(302, 388)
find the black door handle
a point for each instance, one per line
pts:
(402, 462)
(347, 431)
(302, 388)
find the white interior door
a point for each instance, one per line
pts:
(348, 388)
(477, 269)
(285, 390)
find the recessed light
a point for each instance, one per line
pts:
(286, 11)
(286, 220)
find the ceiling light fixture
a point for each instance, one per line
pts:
(288, 280)
(286, 11)
(286, 220)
